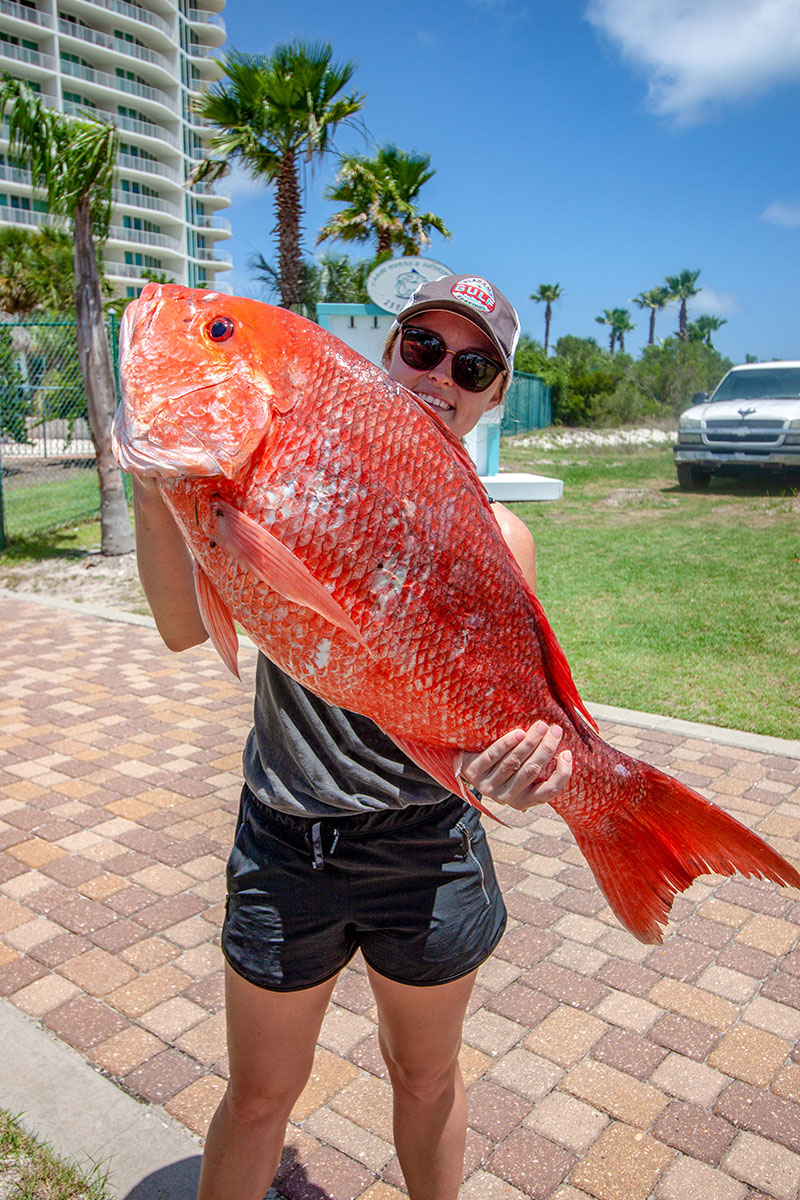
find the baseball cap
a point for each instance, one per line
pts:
(478, 300)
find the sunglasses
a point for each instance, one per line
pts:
(422, 350)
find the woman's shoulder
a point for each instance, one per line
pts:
(519, 540)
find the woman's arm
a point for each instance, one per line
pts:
(165, 568)
(513, 770)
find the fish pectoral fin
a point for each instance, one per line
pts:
(261, 554)
(441, 763)
(217, 620)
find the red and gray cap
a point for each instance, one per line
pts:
(478, 300)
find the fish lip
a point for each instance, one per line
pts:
(140, 456)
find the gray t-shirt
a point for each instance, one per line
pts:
(309, 759)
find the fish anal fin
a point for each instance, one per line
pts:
(440, 762)
(263, 555)
(647, 850)
(217, 620)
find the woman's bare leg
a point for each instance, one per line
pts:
(271, 1041)
(420, 1037)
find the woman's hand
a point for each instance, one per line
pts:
(512, 770)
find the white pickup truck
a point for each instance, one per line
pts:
(750, 422)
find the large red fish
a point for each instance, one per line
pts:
(334, 516)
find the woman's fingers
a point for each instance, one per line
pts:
(521, 768)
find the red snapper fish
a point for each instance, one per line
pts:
(333, 515)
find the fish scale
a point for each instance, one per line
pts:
(334, 516)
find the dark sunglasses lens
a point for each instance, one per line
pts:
(474, 372)
(420, 349)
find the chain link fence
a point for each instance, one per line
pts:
(48, 475)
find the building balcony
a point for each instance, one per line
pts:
(145, 129)
(211, 224)
(134, 12)
(147, 166)
(117, 83)
(145, 237)
(14, 175)
(219, 199)
(22, 54)
(123, 270)
(22, 216)
(206, 255)
(116, 45)
(209, 26)
(152, 203)
(21, 12)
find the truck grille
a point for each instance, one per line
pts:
(725, 423)
(738, 437)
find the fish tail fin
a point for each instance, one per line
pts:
(656, 846)
(217, 620)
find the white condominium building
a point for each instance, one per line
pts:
(139, 63)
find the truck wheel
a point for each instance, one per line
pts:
(692, 478)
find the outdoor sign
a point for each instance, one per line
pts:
(392, 284)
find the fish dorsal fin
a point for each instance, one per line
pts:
(557, 667)
(217, 620)
(261, 554)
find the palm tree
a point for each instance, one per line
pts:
(547, 295)
(656, 299)
(272, 111)
(72, 162)
(607, 319)
(701, 329)
(619, 321)
(622, 325)
(332, 279)
(379, 195)
(681, 287)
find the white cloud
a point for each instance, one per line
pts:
(240, 184)
(700, 54)
(716, 304)
(783, 212)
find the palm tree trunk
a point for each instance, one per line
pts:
(548, 312)
(289, 211)
(652, 337)
(682, 320)
(98, 383)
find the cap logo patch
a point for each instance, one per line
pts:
(476, 292)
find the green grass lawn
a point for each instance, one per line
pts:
(671, 602)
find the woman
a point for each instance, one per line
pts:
(344, 844)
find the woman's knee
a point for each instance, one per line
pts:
(261, 1104)
(423, 1080)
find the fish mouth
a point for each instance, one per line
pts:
(141, 455)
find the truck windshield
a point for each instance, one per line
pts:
(773, 383)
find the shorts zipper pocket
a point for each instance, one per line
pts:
(466, 838)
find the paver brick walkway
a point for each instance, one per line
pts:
(596, 1066)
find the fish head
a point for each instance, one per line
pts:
(196, 393)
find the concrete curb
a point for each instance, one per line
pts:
(88, 1119)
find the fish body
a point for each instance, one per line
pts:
(333, 515)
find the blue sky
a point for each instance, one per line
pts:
(599, 144)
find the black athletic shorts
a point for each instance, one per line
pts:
(414, 889)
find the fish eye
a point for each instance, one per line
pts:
(220, 329)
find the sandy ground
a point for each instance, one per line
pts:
(92, 579)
